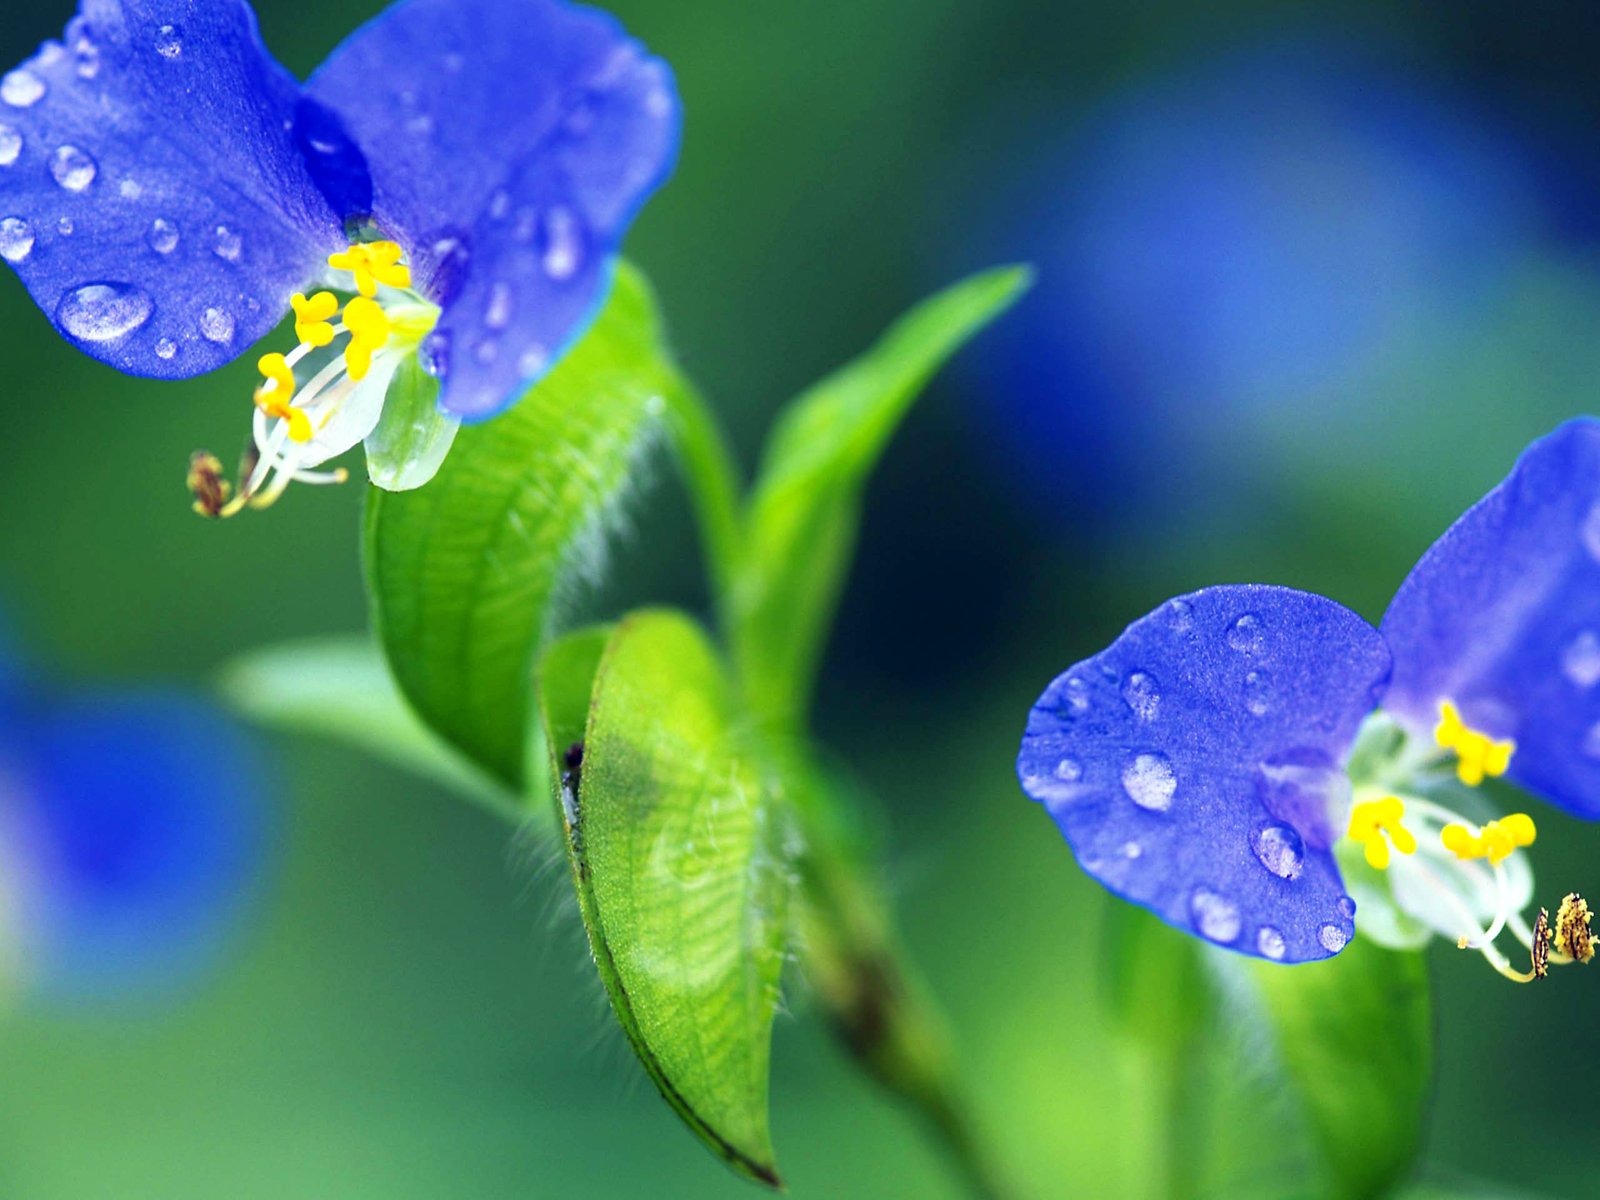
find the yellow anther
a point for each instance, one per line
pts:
(1573, 936)
(1477, 754)
(373, 263)
(274, 396)
(369, 332)
(313, 317)
(1376, 824)
(1495, 841)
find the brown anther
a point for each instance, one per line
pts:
(1572, 935)
(1541, 944)
(206, 484)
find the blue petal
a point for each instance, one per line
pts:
(1195, 766)
(141, 817)
(159, 134)
(510, 145)
(1502, 615)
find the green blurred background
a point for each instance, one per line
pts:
(408, 1011)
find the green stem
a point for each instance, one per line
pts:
(712, 477)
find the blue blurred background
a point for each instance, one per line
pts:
(1310, 276)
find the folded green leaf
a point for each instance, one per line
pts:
(675, 852)
(338, 687)
(468, 575)
(804, 513)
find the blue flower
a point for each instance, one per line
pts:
(130, 832)
(462, 170)
(1250, 762)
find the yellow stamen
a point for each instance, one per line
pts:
(373, 263)
(275, 396)
(313, 317)
(369, 332)
(1477, 754)
(1377, 825)
(1495, 841)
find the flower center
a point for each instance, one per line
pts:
(326, 394)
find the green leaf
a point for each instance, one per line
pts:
(413, 435)
(805, 509)
(338, 687)
(1355, 1034)
(471, 574)
(674, 851)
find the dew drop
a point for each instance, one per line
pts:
(216, 325)
(1333, 938)
(166, 349)
(533, 363)
(1150, 782)
(1591, 741)
(1076, 694)
(1244, 635)
(1270, 942)
(420, 125)
(1258, 693)
(103, 312)
(65, 227)
(497, 315)
(10, 145)
(1580, 661)
(16, 239)
(434, 353)
(226, 244)
(1180, 615)
(488, 350)
(1069, 769)
(500, 205)
(21, 88)
(72, 168)
(658, 103)
(1347, 908)
(1280, 850)
(163, 236)
(1591, 533)
(1131, 850)
(169, 42)
(87, 56)
(562, 243)
(1215, 916)
(1142, 694)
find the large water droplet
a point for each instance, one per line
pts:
(216, 325)
(562, 243)
(166, 349)
(72, 168)
(16, 239)
(21, 88)
(169, 42)
(1347, 908)
(226, 244)
(10, 145)
(1245, 636)
(1280, 850)
(1333, 938)
(163, 236)
(1580, 661)
(1258, 693)
(103, 312)
(1215, 916)
(1270, 942)
(497, 314)
(1590, 533)
(1150, 782)
(1142, 694)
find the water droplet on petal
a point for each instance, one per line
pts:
(1580, 661)
(1180, 615)
(65, 226)
(1244, 635)
(1131, 850)
(21, 88)
(169, 42)
(1591, 533)
(226, 244)
(1270, 942)
(1215, 916)
(421, 125)
(434, 353)
(87, 56)
(497, 314)
(533, 363)
(163, 236)
(1258, 693)
(16, 239)
(1150, 782)
(1591, 741)
(562, 238)
(1069, 769)
(1142, 694)
(10, 145)
(72, 168)
(166, 349)
(1333, 938)
(488, 350)
(1076, 694)
(1280, 850)
(103, 312)
(500, 205)
(216, 325)
(1347, 908)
